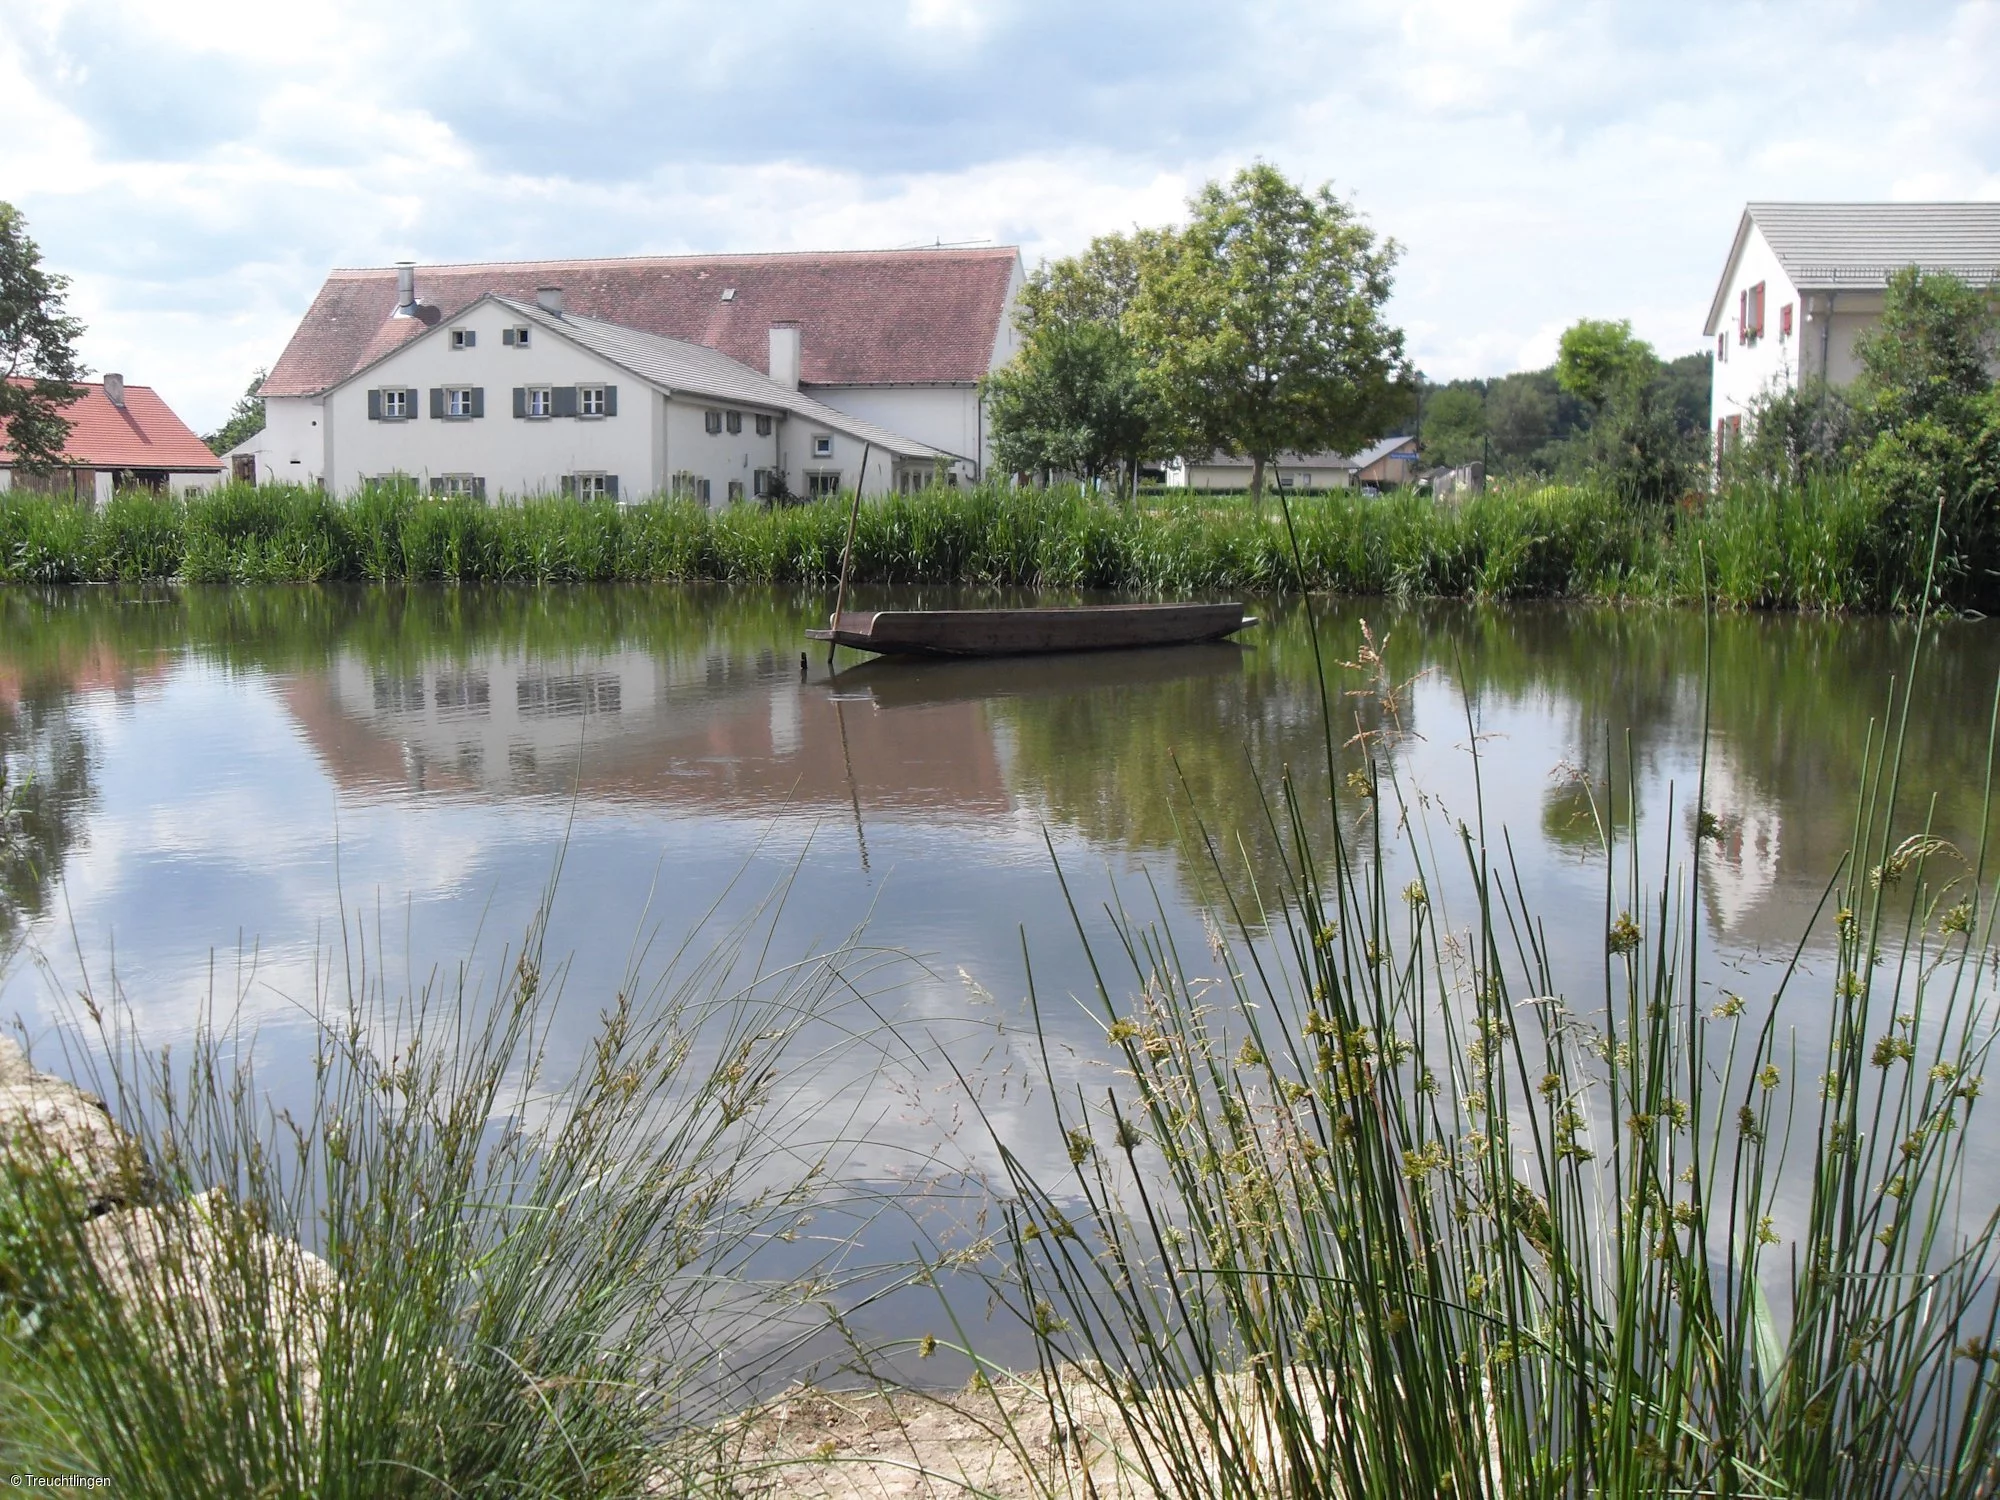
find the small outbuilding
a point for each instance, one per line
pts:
(1391, 461)
(121, 437)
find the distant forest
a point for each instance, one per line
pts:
(1526, 423)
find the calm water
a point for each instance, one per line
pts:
(220, 775)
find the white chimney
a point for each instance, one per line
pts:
(550, 299)
(785, 354)
(114, 390)
(406, 289)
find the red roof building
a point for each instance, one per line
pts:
(120, 435)
(898, 339)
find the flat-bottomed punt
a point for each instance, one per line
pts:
(1031, 632)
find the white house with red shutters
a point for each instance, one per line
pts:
(1803, 280)
(711, 377)
(120, 437)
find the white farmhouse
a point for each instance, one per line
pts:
(1391, 461)
(715, 376)
(1803, 279)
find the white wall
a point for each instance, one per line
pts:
(292, 446)
(1237, 476)
(943, 416)
(1744, 371)
(649, 440)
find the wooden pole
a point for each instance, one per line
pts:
(847, 554)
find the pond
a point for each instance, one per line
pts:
(228, 783)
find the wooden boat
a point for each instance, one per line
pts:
(1026, 632)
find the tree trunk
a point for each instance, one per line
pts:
(1256, 479)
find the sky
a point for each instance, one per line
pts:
(197, 167)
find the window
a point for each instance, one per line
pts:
(711, 421)
(820, 485)
(470, 486)
(539, 402)
(516, 338)
(1722, 347)
(1785, 321)
(591, 486)
(760, 483)
(1750, 313)
(822, 446)
(735, 490)
(390, 404)
(458, 403)
(591, 401)
(464, 338)
(690, 486)
(763, 427)
(733, 421)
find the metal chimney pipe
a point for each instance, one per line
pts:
(406, 289)
(549, 298)
(114, 390)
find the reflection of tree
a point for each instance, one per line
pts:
(45, 792)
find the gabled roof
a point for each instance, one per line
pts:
(1858, 246)
(142, 434)
(677, 366)
(867, 317)
(680, 368)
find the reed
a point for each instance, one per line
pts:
(531, 1276)
(1822, 544)
(1381, 1205)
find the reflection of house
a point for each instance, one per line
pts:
(120, 435)
(1391, 461)
(896, 339)
(1739, 866)
(719, 732)
(1802, 280)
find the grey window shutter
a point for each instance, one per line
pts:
(520, 400)
(569, 484)
(611, 485)
(565, 400)
(374, 406)
(479, 400)
(437, 401)
(479, 489)
(507, 337)
(611, 401)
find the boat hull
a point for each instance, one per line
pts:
(1031, 632)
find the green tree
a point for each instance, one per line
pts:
(246, 418)
(1072, 401)
(1095, 287)
(1454, 423)
(39, 367)
(1930, 355)
(1598, 360)
(1261, 323)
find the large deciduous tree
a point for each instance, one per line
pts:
(38, 361)
(1261, 323)
(1073, 400)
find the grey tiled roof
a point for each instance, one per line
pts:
(696, 370)
(1861, 244)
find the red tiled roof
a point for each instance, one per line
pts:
(143, 434)
(868, 317)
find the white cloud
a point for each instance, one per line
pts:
(198, 168)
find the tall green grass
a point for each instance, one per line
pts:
(533, 1277)
(1377, 1205)
(1822, 545)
